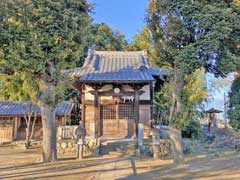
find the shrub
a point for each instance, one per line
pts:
(192, 130)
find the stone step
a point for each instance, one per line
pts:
(117, 147)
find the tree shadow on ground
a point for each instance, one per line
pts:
(58, 167)
(223, 167)
(217, 168)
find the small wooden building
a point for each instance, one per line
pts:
(117, 89)
(212, 119)
(13, 124)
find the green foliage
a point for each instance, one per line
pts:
(188, 115)
(192, 34)
(18, 87)
(194, 94)
(162, 102)
(106, 39)
(234, 105)
(141, 41)
(195, 88)
(144, 41)
(192, 130)
(41, 38)
(37, 34)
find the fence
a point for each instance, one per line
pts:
(6, 134)
(66, 132)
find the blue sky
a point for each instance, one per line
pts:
(124, 15)
(217, 101)
(128, 16)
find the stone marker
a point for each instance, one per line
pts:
(80, 134)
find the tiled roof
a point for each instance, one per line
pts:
(16, 108)
(64, 108)
(213, 110)
(116, 66)
(160, 72)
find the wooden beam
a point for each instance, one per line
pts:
(122, 93)
(108, 101)
(83, 107)
(77, 85)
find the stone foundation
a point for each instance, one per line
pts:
(91, 147)
(162, 148)
(159, 149)
(65, 146)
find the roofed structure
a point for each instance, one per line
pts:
(117, 67)
(117, 90)
(213, 110)
(13, 124)
(16, 108)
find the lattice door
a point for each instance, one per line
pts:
(117, 120)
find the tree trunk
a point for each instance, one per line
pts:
(176, 145)
(27, 118)
(33, 126)
(177, 108)
(172, 108)
(27, 139)
(47, 106)
(177, 90)
(49, 133)
(177, 102)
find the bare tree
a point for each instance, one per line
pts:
(30, 112)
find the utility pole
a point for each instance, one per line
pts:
(225, 110)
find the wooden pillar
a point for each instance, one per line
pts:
(139, 126)
(83, 108)
(117, 118)
(136, 110)
(96, 114)
(15, 127)
(152, 87)
(94, 122)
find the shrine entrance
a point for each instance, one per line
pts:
(117, 119)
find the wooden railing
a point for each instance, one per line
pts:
(66, 132)
(6, 134)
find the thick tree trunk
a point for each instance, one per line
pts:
(177, 90)
(176, 145)
(47, 106)
(172, 108)
(49, 133)
(175, 112)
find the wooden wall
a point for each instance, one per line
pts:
(6, 129)
(145, 118)
(144, 109)
(15, 128)
(89, 117)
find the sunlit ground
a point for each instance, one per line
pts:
(24, 164)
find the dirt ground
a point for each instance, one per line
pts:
(25, 164)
